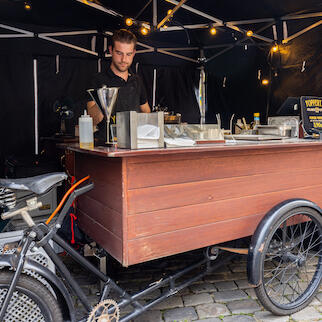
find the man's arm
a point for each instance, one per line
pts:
(95, 112)
(145, 108)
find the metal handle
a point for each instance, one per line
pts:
(10, 214)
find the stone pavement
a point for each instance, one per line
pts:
(223, 295)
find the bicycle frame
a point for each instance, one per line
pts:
(41, 234)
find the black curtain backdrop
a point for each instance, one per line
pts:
(233, 86)
(66, 86)
(175, 89)
(289, 78)
(17, 104)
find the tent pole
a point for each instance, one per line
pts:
(16, 36)
(220, 22)
(16, 29)
(66, 44)
(155, 13)
(303, 16)
(69, 33)
(169, 15)
(154, 86)
(176, 55)
(237, 43)
(35, 69)
(302, 31)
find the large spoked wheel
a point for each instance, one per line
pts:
(291, 262)
(31, 301)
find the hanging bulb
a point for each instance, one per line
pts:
(275, 48)
(27, 6)
(265, 81)
(145, 29)
(213, 30)
(249, 33)
(129, 22)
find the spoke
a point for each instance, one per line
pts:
(313, 256)
(298, 242)
(306, 226)
(310, 245)
(315, 244)
(285, 268)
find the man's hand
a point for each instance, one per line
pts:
(145, 108)
(95, 112)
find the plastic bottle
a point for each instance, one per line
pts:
(86, 137)
(256, 123)
(256, 119)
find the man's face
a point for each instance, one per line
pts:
(122, 55)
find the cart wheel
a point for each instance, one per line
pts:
(31, 301)
(291, 261)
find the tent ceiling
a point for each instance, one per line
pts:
(75, 15)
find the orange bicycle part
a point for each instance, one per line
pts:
(71, 189)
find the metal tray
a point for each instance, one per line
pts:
(253, 137)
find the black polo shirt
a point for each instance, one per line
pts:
(131, 94)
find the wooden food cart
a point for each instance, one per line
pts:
(148, 204)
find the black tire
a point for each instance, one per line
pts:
(291, 262)
(31, 300)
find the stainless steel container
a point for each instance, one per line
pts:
(278, 130)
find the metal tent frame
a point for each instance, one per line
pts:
(170, 51)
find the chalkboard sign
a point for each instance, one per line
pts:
(311, 109)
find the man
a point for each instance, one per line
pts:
(132, 95)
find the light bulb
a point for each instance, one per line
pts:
(275, 49)
(249, 33)
(265, 81)
(212, 30)
(129, 22)
(144, 31)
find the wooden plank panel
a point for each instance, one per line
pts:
(102, 236)
(107, 194)
(178, 195)
(107, 177)
(170, 172)
(105, 216)
(144, 249)
(107, 170)
(180, 218)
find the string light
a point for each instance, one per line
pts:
(145, 29)
(129, 22)
(213, 30)
(27, 6)
(249, 33)
(169, 11)
(265, 81)
(275, 48)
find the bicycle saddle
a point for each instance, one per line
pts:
(37, 184)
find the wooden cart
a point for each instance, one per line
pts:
(149, 204)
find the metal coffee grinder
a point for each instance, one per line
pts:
(105, 99)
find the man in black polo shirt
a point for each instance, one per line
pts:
(132, 94)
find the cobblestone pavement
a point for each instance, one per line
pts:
(223, 295)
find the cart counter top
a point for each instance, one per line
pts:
(228, 146)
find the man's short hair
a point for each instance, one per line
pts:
(124, 36)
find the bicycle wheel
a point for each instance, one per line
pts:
(291, 262)
(30, 302)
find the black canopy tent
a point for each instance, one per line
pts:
(43, 41)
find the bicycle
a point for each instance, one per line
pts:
(29, 291)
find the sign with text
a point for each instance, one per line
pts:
(311, 108)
